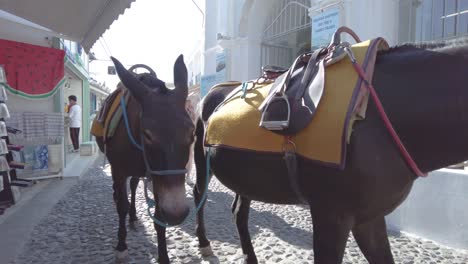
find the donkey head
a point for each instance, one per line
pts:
(166, 131)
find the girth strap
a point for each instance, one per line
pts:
(291, 165)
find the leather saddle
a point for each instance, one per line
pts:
(151, 82)
(272, 72)
(296, 93)
(102, 115)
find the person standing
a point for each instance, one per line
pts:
(74, 113)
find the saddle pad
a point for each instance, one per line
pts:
(236, 124)
(112, 114)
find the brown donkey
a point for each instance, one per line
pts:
(162, 133)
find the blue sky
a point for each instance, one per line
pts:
(150, 32)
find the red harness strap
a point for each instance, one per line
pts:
(387, 122)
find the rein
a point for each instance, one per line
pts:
(347, 49)
(409, 160)
(337, 50)
(149, 172)
(141, 147)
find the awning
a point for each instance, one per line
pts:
(83, 21)
(95, 87)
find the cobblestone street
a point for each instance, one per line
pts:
(82, 228)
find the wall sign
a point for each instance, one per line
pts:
(221, 65)
(324, 24)
(208, 81)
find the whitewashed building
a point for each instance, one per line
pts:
(252, 33)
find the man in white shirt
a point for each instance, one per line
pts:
(74, 113)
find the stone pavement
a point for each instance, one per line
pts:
(82, 228)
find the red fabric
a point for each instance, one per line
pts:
(31, 69)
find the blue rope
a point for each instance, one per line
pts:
(244, 90)
(151, 203)
(127, 125)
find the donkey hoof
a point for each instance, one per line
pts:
(121, 255)
(133, 225)
(163, 260)
(247, 260)
(210, 260)
(206, 251)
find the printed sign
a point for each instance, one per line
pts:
(221, 65)
(323, 27)
(208, 81)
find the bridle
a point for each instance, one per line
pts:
(149, 172)
(141, 146)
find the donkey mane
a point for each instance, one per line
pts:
(450, 46)
(153, 82)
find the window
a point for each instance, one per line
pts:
(434, 19)
(93, 103)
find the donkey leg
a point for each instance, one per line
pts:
(234, 203)
(373, 241)
(199, 189)
(330, 233)
(241, 217)
(133, 186)
(203, 242)
(120, 195)
(163, 257)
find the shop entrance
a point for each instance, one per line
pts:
(73, 86)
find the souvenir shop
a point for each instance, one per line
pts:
(31, 121)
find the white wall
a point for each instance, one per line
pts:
(376, 18)
(229, 13)
(244, 22)
(16, 32)
(195, 62)
(436, 209)
(238, 59)
(76, 88)
(211, 20)
(368, 18)
(16, 103)
(257, 19)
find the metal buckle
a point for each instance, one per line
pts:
(337, 53)
(350, 53)
(288, 145)
(276, 124)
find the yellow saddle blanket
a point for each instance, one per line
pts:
(110, 114)
(236, 124)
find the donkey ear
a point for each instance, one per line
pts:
(180, 78)
(136, 88)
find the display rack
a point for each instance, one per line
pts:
(8, 194)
